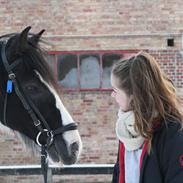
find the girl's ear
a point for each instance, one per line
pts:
(35, 38)
(131, 104)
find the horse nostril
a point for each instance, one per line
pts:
(74, 147)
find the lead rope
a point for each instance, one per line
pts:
(44, 163)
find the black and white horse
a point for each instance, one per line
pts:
(29, 102)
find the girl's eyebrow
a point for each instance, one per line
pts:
(114, 88)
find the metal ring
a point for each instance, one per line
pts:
(39, 134)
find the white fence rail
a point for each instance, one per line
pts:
(77, 169)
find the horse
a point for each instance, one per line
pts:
(29, 100)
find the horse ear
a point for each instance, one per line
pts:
(17, 44)
(35, 38)
(23, 38)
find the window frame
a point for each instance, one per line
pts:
(78, 53)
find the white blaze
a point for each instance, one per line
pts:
(69, 136)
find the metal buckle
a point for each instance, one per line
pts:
(12, 76)
(37, 123)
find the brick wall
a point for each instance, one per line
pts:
(108, 24)
(94, 25)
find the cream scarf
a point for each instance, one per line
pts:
(125, 131)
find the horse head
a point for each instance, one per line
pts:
(29, 103)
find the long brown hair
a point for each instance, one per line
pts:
(154, 96)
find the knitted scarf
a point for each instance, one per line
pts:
(125, 131)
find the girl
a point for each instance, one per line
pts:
(149, 125)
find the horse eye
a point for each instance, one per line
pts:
(31, 88)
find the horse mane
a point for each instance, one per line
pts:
(34, 57)
(26, 142)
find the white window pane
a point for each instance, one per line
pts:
(89, 71)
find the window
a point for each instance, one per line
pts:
(85, 70)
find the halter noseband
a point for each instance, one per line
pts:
(36, 116)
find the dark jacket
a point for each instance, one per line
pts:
(164, 164)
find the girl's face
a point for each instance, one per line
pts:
(120, 95)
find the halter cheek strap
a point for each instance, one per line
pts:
(37, 118)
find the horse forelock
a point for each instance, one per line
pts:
(37, 61)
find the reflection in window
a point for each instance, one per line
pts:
(50, 59)
(89, 71)
(67, 70)
(107, 63)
